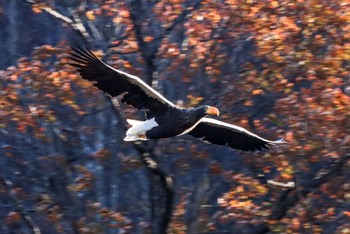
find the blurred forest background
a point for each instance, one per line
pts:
(280, 68)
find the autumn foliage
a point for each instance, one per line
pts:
(279, 68)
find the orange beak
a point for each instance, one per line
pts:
(213, 111)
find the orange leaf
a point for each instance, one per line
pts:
(36, 10)
(347, 213)
(14, 77)
(257, 91)
(124, 14)
(90, 15)
(148, 38)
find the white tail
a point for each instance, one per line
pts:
(138, 129)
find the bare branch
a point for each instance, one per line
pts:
(166, 183)
(290, 184)
(19, 207)
(77, 24)
(181, 18)
(150, 49)
(290, 196)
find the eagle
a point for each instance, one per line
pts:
(163, 119)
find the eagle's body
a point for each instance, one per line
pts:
(177, 122)
(173, 123)
(163, 118)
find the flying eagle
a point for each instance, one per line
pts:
(163, 118)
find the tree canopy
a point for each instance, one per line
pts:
(278, 68)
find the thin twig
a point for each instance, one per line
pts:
(81, 117)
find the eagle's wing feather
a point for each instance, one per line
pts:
(221, 133)
(115, 82)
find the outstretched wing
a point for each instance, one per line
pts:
(135, 92)
(221, 133)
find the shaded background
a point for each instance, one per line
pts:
(278, 68)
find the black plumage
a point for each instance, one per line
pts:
(163, 118)
(135, 92)
(221, 133)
